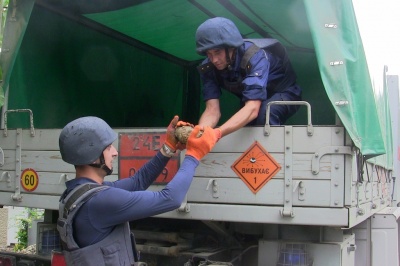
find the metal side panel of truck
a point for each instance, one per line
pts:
(319, 190)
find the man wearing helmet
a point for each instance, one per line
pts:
(257, 76)
(94, 214)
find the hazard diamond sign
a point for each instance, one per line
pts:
(255, 167)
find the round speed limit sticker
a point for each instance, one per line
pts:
(29, 179)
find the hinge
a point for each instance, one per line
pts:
(1, 157)
(18, 168)
(315, 163)
(185, 207)
(287, 210)
(214, 184)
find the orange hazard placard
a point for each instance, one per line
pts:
(255, 167)
(136, 149)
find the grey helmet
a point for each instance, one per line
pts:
(217, 33)
(83, 140)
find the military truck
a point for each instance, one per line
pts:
(319, 190)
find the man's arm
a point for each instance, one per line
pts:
(211, 114)
(245, 115)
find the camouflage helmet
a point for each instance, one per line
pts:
(217, 32)
(83, 140)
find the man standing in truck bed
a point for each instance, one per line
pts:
(94, 214)
(257, 71)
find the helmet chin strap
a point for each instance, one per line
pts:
(229, 60)
(102, 165)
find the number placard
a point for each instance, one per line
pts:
(135, 149)
(29, 179)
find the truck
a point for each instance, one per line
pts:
(319, 190)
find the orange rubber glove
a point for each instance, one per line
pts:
(200, 142)
(171, 140)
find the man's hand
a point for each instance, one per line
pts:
(218, 133)
(171, 140)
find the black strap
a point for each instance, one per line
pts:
(136, 253)
(76, 194)
(272, 46)
(245, 63)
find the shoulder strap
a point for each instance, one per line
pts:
(248, 54)
(205, 67)
(77, 193)
(257, 44)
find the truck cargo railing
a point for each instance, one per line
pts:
(267, 130)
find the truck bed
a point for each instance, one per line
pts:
(316, 183)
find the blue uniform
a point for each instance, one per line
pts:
(126, 199)
(258, 83)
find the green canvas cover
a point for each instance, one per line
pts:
(133, 62)
(13, 33)
(345, 72)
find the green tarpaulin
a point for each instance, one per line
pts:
(136, 63)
